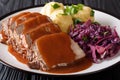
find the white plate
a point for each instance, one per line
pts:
(100, 17)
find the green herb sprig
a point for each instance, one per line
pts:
(55, 6)
(77, 21)
(92, 13)
(85, 38)
(73, 9)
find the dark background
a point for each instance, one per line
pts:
(109, 6)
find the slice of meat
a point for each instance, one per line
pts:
(14, 18)
(21, 20)
(25, 27)
(54, 50)
(4, 31)
(16, 21)
(24, 18)
(40, 30)
(29, 25)
(6, 24)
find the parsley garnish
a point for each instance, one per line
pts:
(84, 38)
(92, 13)
(77, 21)
(73, 9)
(96, 23)
(80, 6)
(55, 6)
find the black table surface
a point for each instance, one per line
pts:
(109, 6)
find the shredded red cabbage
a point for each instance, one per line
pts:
(97, 41)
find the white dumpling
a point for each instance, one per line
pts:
(84, 14)
(64, 21)
(48, 8)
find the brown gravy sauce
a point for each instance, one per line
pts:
(76, 67)
(18, 56)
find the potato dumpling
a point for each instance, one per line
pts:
(51, 7)
(64, 21)
(84, 14)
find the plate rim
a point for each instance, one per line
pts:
(12, 67)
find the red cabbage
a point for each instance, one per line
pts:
(97, 41)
